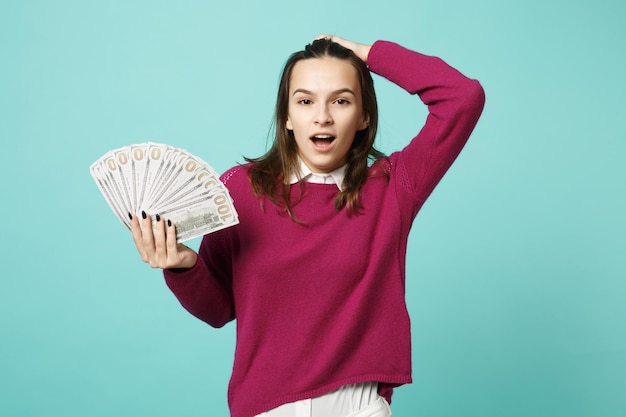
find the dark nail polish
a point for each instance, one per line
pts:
(169, 223)
(158, 218)
(130, 215)
(143, 214)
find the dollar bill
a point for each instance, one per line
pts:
(210, 214)
(165, 180)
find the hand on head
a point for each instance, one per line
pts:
(359, 49)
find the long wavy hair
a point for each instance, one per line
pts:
(270, 173)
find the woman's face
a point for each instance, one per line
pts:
(325, 111)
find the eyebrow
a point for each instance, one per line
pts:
(340, 91)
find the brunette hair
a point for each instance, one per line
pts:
(270, 173)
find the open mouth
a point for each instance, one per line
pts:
(322, 140)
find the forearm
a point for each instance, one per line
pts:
(430, 77)
(202, 294)
(454, 102)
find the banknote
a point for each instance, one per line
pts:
(161, 179)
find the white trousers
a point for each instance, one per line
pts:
(357, 400)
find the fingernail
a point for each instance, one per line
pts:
(158, 218)
(143, 214)
(169, 223)
(130, 215)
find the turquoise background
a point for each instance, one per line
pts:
(516, 265)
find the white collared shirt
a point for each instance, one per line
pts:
(333, 177)
(343, 402)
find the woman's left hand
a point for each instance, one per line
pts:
(361, 50)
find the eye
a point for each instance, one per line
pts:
(304, 101)
(342, 101)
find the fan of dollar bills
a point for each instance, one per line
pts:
(161, 179)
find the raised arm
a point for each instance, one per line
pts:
(454, 102)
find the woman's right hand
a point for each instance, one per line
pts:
(159, 248)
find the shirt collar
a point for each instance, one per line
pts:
(334, 177)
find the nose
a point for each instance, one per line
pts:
(322, 116)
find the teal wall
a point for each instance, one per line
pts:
(516, 265)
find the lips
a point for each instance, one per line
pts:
(322, 140)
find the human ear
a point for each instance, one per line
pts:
(365, 123)
(288, 124)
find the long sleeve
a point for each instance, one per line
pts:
(206, 289)
(454, 102)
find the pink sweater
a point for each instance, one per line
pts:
(322, 304)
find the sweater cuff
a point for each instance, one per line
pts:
(377, 52)
(175, 273)
(392, 61)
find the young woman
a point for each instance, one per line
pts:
(315, 271)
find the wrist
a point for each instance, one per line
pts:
(364, 51)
